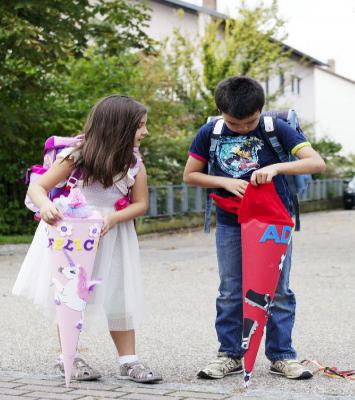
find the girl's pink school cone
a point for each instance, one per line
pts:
(73, 243)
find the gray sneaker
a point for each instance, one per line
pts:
(138, 372)
(81, 370)
(291, 369)
(221, 367)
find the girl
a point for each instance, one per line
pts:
(111, 169)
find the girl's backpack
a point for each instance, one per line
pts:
(52, 147)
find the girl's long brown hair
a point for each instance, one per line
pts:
(107, 150)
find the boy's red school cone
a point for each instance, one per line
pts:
(266, 232)
(73, 243)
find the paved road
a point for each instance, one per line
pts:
(178, 337)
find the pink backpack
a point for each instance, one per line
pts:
(52, 147)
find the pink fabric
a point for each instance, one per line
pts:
(82, 285)
(76, 198)
(122, 203)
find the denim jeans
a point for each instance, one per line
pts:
(229, 321)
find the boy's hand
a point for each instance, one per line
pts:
(50, 213)
(109, 223)
(235, 186)
(264, 175)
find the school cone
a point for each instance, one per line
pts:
(73, 243)
(263, 247)
(266, 230)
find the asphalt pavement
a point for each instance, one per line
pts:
(177, 337)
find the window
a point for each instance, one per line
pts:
(282, 82)
(296, 85)
(267, 86)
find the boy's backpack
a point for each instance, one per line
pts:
(52, 148)
(297, 183)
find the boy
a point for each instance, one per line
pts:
(242, 156)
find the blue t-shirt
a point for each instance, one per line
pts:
(237, 156)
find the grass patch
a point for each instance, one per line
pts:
(16, 239)
(146, 225)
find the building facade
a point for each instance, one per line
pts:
(320, 96)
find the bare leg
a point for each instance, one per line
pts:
(125, 342)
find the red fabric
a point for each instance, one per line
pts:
(230, 204)
(259, 202)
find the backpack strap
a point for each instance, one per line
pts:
(216, 135)
(73, 179)
(269, 130)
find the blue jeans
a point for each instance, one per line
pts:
(229, 321)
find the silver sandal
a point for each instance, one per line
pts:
(138, 372)
(81, 370)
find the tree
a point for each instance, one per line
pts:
(338, 165)
(38, 38)
(251, 45)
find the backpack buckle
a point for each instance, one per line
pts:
(268, 123)
(72, 181)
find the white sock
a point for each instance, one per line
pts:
(127, 359)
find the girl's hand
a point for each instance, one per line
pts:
(235, 186)
(109, 222)
(50, 213)
(264, 175)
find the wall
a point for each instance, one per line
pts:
(303, 102)
(334, 108)
(165, 18)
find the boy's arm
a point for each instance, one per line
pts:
(194, 175)
(309, 162)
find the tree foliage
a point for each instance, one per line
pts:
(250, 44)
(39, 42)
(42, 38)
(338, 165)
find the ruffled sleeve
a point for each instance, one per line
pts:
(124, 184)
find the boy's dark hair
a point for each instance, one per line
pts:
(239, 96)
(107, 150)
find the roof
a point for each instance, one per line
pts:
(198, 9)
(330, 72)
(192, 8)
(309, 58)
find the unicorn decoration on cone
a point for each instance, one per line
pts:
(75, 293)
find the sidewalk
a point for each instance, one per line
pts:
(17, 386)
(178, 337)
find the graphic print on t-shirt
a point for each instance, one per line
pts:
(238, 155)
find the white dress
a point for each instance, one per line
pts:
(117, 264)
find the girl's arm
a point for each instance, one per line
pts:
(139, 203)
(38, 190)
